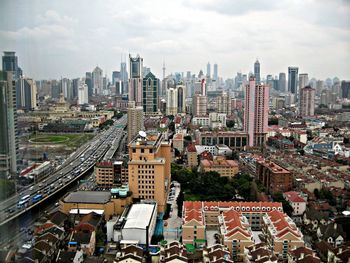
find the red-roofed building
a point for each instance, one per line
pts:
(192, 158)
(235, 232)
(296, 201)
(281, 233)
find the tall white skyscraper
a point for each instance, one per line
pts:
(303, 80)
(307, 101)
(83, 94)
(97, 80)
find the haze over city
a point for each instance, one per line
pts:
(68, 38)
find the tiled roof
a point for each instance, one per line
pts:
(294, 197)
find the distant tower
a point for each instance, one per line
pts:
(83, 93)
(135, 80)
(150, 88)
(163, 81)
(208, 70)
(97, 81)
(303, 80)
(307, 101)
(257, 71)
(293, 80)
(10, 64)
(282, 82)
(256, 109)
(215, 75)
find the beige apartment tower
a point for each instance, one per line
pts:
(135, 120)
(149, 168)
(307, 101)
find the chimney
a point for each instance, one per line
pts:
(335, 226)
(340, 250)
(214, 258)
(258, 257)
(168, 254)
(301, 255)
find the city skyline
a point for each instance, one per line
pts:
(231, 34)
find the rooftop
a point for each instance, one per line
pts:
(140, 216)
(88, 197)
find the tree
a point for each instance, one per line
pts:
(230, 123)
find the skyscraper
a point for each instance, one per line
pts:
(257, 71)
(135, 120)
(97, 81)
(116, 76)
(135, 80)
(26, 93)
(124, 78)
(256, 109)
(208, 70)
(150, 88)
(171, 100)
(199, 105)
(83, 93)
(293, 80)
(303, 80)
(345, 89)
(181, 98)
(10, 64)
(282, 82)
(88, 82)
(215, 75)
(307, 101)
(8, 127)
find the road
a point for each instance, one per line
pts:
(173, 223)
(81, 161)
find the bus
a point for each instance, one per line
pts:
(37, 198)
(23, 201)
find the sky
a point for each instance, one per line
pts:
(55, 38)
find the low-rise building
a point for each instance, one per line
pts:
(236, 233)
(85, 202)
(273, 177)
(281, 233)
(192, 158)
(178, 142)
(220, 165)
(296, 201)
(140, 219)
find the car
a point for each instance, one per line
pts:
(31, 188)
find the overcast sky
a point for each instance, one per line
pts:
(67, 38)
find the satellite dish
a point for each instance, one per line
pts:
(142, 134)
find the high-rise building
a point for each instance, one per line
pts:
(307, 101)
(208, 70)
(116, 76)
(293, 80)
(97, 81)
(223, 104)
(66, 88)
(135, 80)
(199, 105)
(124, 78)
(181, 98)
(303, 80)
(256, 110)
(257, 71)
(26, 93)
(135, 120)
(8, 127)
(149, 168)
(10, 64)
(75, 86)
(150, 88)
(88, 82)
(215, 74)
(83, 93)
(282, 82)
(171, 100)
(345, 89)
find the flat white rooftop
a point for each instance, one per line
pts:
(140, 216)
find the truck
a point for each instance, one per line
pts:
(37, 198)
